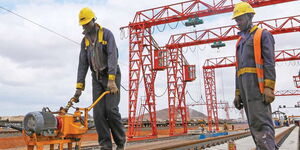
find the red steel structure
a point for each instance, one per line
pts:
(213, 63)
(226, 109)
(297, 81)
(184, 10)
(223, 105)
(176, 90)
(287, 93)
(141, 48)
(275, 26)
(226, 33)
(178, 41)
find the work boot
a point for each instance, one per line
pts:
(104, 148)
(120, 147)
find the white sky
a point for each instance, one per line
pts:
(39, 69)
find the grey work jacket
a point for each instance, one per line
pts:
(245, 54)
(108, 57)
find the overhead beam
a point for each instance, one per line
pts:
(227, 33)
(184, 10)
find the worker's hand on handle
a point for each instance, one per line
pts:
(77, 95)
(238, 102)
(269, 95)
(112, 87)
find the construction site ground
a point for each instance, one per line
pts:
(90, 139)
(291, 143)
(15, 140)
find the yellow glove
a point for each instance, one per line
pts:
(269, 95)
(112, 87)
(238, 102)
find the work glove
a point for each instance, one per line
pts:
(269, 95)
(238, 102)
(77, 95)
(112, 87)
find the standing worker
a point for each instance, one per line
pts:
(100, 53)
(255, 76)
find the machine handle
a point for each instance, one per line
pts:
(98, 99)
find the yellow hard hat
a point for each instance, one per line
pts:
(85, 16)
(241, 9)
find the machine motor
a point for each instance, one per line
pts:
(40, 122)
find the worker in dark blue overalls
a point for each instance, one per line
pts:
(100, 53)
(255, 76)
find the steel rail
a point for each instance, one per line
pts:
(201, 144)
(281, 137)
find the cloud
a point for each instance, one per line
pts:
(38, 68)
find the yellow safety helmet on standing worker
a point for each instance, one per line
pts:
(85, 16)
(241, 9)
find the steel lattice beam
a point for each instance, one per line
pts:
(140, 48)
(176, 89)
(140, 59)
(275, 26)
(184, 10)
(287, 93)
(211, 97)
(213, 63)
(229, 61)
(223, 105)
(226, 33)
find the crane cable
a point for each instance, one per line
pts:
(39, 25)
(162, 93)
(50, 30)
(163, 29)
(187, 92)
(173, 27)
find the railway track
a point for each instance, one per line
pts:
(184, 142)
(201, 144)
(280, 138)
(131, 144)
(177, 142)
(10, 133)
(189, 142)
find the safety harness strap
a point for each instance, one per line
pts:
(100, 38)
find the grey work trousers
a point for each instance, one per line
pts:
(106, 113)
(258, 113)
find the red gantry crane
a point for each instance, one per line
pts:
(213, 63)
(177, 41)
(141, 52)
(223, 105)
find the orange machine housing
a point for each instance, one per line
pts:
(70, 128)
(71, 125)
